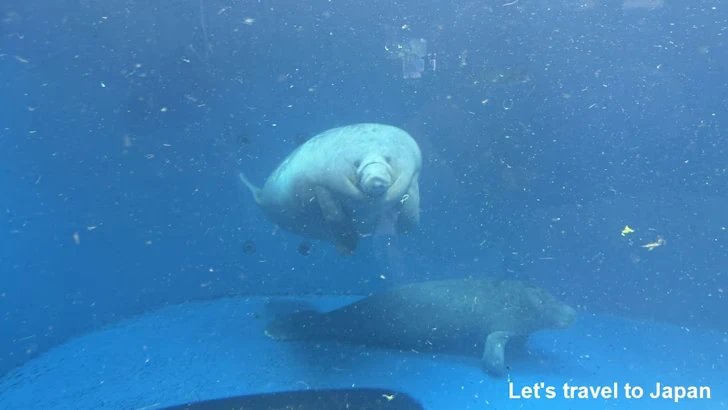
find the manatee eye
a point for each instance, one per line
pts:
(357, 163)
(388, 159)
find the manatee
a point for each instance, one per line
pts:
(345, 183)
(463, 317)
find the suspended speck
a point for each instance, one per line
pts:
(301, 138)
(249, 247)
(243, 140)
(304, 248)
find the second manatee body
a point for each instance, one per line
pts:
(466, 317)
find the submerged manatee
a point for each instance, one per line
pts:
(345, 183)
(465, 317)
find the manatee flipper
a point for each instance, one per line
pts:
(409, 215)
(301, 325)
(345, 237)
(493, 360)
(253, 189)
(402, 184)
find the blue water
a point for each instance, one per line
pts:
(546, 128)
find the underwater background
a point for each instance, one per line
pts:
(547, 128)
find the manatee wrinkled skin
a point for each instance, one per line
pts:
(468, 317)
(345, 183)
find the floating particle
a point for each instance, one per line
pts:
(301, 138)
(243, 140)
(249, 247)
(627, 230)
(652, 245)
(305, 247)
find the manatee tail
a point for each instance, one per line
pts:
(302, 325)
(253, 189)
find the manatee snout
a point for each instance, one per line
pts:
(375, 179)
(555, 313)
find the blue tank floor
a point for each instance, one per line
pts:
(217, 348)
